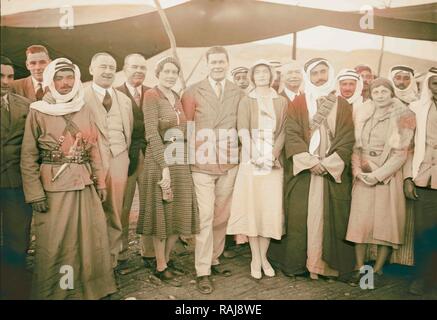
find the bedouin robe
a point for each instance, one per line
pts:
(291, 253)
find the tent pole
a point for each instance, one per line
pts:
(293, 55)
(381, 54)
(172, 39)
(195, 67)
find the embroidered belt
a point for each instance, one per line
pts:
(57, 157)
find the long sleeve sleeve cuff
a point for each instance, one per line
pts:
(303, 161)
(334, 165)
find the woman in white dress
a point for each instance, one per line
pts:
(257, 209)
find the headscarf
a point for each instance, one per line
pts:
(64, 103)
(313, 93)
(409, 94)
(421, 109)
(350, 74)
(239, 70)
(426, 94)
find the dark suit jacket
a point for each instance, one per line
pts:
(138, 133)
(24, 87)
(11, 137)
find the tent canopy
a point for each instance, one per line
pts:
(196, 23)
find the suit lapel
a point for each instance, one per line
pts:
(127, 92)
(6, 123)
(228, 95)
(229, 91)
(211, 99)
(95, 103)
(15, 114)
(285, 95)
(124, 111)
(29, 89)
(208, 92)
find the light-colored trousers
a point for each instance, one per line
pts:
(132, 182)
(116, 180)
(214, 196)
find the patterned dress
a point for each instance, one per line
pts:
(166, 147)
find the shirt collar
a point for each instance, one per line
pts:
(102, 91)
(290, 94)
(212, 82)
(132, 89)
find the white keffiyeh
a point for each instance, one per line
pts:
(312, 93)
(64, 104)
(421, 109)
(409, 94)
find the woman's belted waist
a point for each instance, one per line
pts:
(372, 153)
(173, 140)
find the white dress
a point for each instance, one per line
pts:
(257, 202)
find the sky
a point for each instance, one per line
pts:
(322, 38)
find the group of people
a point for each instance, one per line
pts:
(313, 169)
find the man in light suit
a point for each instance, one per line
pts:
(15, 214)
(37, 59)
(212, 105)
(113, 116)
(135, 69)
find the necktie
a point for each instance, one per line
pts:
(107, 101)
(137, 98)
(5, 103)
(4, 112)
(39, 93)
(219, 90)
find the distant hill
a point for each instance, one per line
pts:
(246, 54)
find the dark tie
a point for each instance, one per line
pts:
(5, 115)
(39, 93)
(107, 101)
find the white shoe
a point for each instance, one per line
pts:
(314, 276)
(268, 269)
(255, 271)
